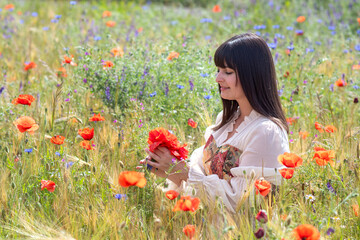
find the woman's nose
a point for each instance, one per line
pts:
(218, 77)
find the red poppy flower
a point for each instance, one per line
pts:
(29, 66)
(287, 173)
(290, 160)
(61, 72)
(140, 29)
(48, 184)
(69, 60)
(319, 127)
(303, 134)
(262, 216)
(172, 55)
(87, 144)
(9, 6)
(106, 14)
(322, 158)
(319, 149)
(117, 52)
(107, 65)
(216, 9)
(171, 194)
(286, 74)
(132, 178)
(306, 231)
(24, 99)
(340, 83)
(58, 140)
(301, 19)
(110, 24)
(291, 120)
(186, 203)
(192, 123)
(97, 118)
(356, 67)
(86, 133)
(355, 208)
(330, 129)
(263, 187)
(189, 231)
(26, 124)
(160, 137)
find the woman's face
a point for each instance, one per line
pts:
(230, 89)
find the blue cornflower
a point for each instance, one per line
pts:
(54, 20)
(258, 27)
(319, 21)
(227, 18)
(121, 196)
(97, 38)
(207, 37)
(145, 7)
(179, 86)
(280, 92)
(173, 22)
(258, 33)
(153, 94)
(278, 35)
(57, 154)
(345, 51)
(28, 150)
(290, 28)
(0, 9)
(73, 2)
(357, 47)
(34, 14)
(276, 26)
(358, 31)
(204, 74)
(331, 87)
(291, 47)
(57, 16)
(45, 28)
(332, 28)
(309, 50)
(272, 45)
(333, 32)
(356, 87)
(2, 89)
(318, 43)
(208, 97)
(21, 21)
(299, 32)
(206, 20)
(69, 164)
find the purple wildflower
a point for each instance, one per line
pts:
(330, 231)
(166, 89)
(191, 83)
(331, 189)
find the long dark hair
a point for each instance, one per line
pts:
(250, 57)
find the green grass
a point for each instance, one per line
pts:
(83, 205)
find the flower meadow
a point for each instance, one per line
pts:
(83, 83)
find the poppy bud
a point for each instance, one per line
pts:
(356, 100)
(262, 217)
(260, 233)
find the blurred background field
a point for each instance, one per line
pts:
(317, 63)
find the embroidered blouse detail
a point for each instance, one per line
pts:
(219, 160)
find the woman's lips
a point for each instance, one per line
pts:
(223, 88)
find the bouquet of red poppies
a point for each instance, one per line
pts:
(160, 137)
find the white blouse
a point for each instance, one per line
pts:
(260, 142)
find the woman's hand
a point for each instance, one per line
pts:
(163, 158)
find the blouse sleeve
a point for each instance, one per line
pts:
(259, 159)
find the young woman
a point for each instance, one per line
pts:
(249, 134)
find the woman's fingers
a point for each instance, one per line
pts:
(152, 155)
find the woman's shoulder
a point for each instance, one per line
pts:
(267, 126)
